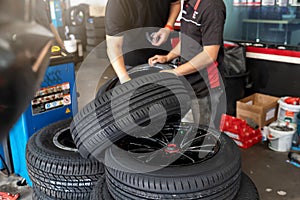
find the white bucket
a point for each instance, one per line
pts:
(70, 45)
(287, 112)
(280, 140)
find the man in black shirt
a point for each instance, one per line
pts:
(201, 51)
(128, 22)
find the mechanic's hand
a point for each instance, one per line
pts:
(160, 37)
(124, 79)
(157, 59)
(172, 71)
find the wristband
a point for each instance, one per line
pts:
(171, 28)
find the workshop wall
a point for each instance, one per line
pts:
(90, 2)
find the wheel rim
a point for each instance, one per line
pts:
(192, 145)
(63, 140)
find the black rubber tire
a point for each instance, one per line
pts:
(57, 171)
(248, 190)
(77, 30)
(217, 178)
(135, 72)
(94, 128)
(95, 22)
(39, 195)
(94, 41)
(100, 191)
(96, 33)
(71, 16)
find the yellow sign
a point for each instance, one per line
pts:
(68, 110)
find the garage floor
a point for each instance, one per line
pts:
(268, 169)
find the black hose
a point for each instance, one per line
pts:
(5, 165)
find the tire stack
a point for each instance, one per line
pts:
(95, 34)
(153, 155)
(104, 122)
(55, 167)
(76, 17)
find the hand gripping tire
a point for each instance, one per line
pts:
(55, 166)
(215, 178)
(107, 118)
(133, 72)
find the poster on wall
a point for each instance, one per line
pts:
(268, 2)
(294, 2)
(282, 3)
(246, 2)
(253, 2)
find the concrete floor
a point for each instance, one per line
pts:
(268, 169)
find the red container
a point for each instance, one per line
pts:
(240, 131)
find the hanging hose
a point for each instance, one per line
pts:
(5, 165)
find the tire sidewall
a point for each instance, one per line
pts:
(118, 159)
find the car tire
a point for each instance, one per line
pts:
(248, 190)
(217, 178)
(100, 191)
(97, 125)
(56, 168)
(133, 72)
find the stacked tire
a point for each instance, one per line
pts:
(130, 175)
(248, 190)
(56, 168)
(135, 129)
(76, 17)
(125, 109)
(95, 34)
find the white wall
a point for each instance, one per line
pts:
(90, 2)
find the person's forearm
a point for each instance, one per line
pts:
(174, 53)
(174, 12)
(115, 54)
(200, 61)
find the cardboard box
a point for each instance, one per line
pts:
(260, 108)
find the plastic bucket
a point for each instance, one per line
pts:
(280, 140)
(70, 46)
(287, 112)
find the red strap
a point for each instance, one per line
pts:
(197, 4)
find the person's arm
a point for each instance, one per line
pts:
(162, 35)
(200, 61)
(56, 35)
(174, 12)
(174, 53)
(115, 54)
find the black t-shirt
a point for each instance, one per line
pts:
(129, 19)
(42, 13)
(202, 24)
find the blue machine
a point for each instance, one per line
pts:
(56, 100)
(56, 13)
(2, 154)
